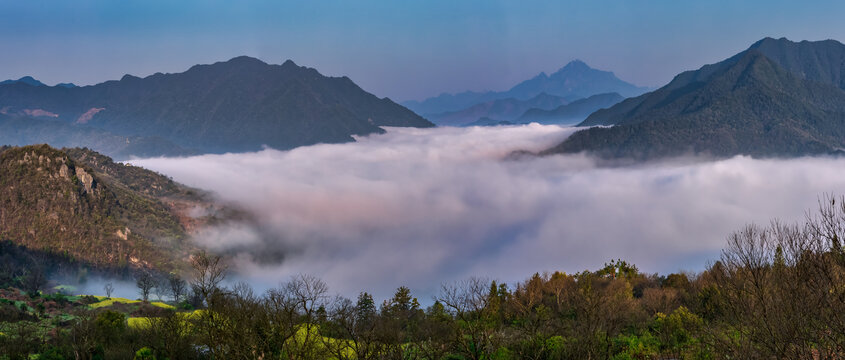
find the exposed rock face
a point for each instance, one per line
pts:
(86, 179)
(52, 202)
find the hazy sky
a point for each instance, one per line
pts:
(400, 49)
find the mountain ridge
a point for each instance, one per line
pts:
(747, 104)
(242, 104)
(502, 109)
(574, 80)
(573, 112)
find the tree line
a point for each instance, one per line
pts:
(775, 292)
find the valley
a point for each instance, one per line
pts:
(432, 180)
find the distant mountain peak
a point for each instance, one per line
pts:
(29, 80)
(245, 60)
(541, 76)
(769, 40)
(128, 77)
(577, 64)
(573, 81)
(288, 63)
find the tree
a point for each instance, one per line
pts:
(209, 272)
(310, 295)
(110, 326)
(35, 281)
(145, 283)
(177, 287)
(161, 288)
(468, 301)
(108, 288)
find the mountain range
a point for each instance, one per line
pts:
(574, 81)
(571, 113)
(503, 110)
(777, 98)
(239, 105)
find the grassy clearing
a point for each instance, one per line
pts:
(104, 302)
(144, 322)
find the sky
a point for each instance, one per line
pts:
(398, 49)
(424, 207)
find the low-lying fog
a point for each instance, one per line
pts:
(419, 207)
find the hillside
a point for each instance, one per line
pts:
(502, 110)
(574, 81)
(239, 105)
(571, 113)
(748, 104)
(25, 130)
(80, 204)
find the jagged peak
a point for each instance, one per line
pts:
(770, 40)
(542, 75)
(576, 66)
(577, 63)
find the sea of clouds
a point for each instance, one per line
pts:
(420, 207)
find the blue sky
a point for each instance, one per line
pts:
(400, 49)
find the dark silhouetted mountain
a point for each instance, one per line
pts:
(778, 98)
(504, 109)
(239, 105)
(24, 80)
(66, 85)
(69, 205)
(576, 80)
(571, 113)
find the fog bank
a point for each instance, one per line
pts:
(419, 207)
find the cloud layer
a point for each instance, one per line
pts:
(418, 207)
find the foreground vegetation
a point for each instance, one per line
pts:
(776, 292)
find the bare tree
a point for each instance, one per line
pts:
(161, 288)
(145, 282)
(308, 294)
(178, 287)
(209, 272)
(467, 301)
(109, 289)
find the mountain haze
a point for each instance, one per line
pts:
(574, 81)
(573, 112)
(501, 110)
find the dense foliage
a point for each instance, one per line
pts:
(776, 292)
